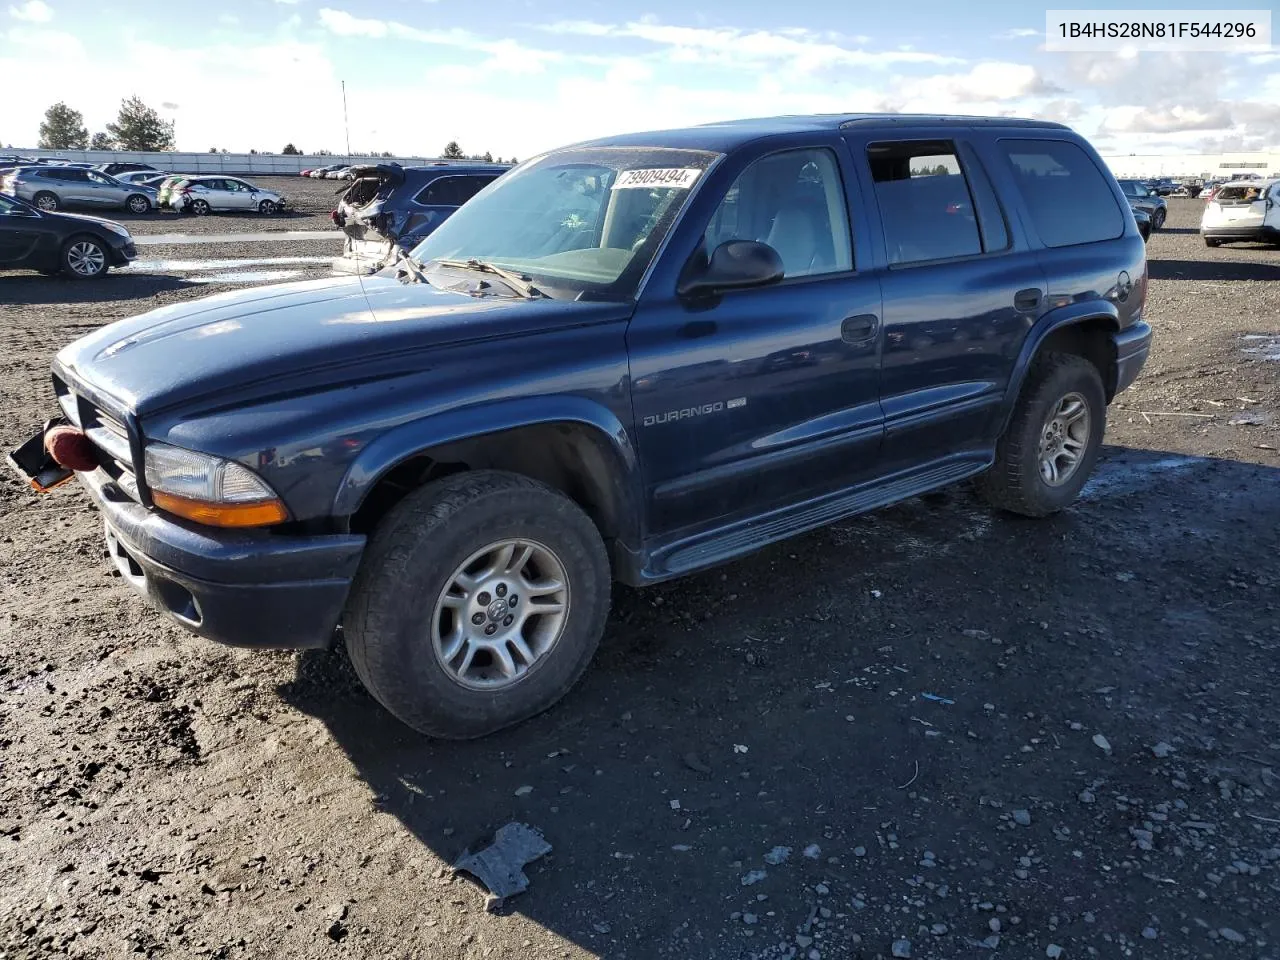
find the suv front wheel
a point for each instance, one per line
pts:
(1051, 445)
(480, 601)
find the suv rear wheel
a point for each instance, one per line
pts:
(46, 201)
(480, 602)
(1051, 445)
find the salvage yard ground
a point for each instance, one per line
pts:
(983, 735)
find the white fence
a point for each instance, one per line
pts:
(262, 164)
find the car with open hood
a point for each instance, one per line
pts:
(629, 359)
(389, 207)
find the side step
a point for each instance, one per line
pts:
(706, 549)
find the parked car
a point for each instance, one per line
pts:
(52, 188)
(1141, 197)
(201, 195)
(112, 169)
(1161, 186)
(305, 173)
(140, 176)
(1242, 210)
(1144, 224)
(165, 189)
(336, 173)
(80, 247)
(389, 207)
(574, 379)
(320, 172)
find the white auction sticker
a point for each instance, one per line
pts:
(682, 179)
(1157, 30)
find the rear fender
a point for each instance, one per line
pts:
(1060, 318)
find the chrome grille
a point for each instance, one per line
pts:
(106, 433)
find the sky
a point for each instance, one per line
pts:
(516, 77)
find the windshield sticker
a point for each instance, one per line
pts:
(656, 177)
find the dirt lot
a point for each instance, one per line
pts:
(1101, 775)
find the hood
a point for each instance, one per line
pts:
(296, 338)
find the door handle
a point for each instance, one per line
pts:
(859, 329)
(1028, 299)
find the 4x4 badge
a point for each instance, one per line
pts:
(671, 416)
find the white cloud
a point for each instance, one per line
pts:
(1017, 33)
(33, 11)
(1175, 119)
(505, 55)
(800, 49)
(983, 89)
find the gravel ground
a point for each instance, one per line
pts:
(1100, 778)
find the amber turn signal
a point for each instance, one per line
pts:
(260, 514)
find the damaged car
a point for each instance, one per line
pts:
(390, 207)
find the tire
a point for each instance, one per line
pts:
(84, 258)
(200, 207)
(1015, 481)
(1212, 243)
(137, 203)
(1157, 219)
(266, 208)
(46, 201)
(394, 615)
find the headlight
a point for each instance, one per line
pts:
(209, 490)
(117, 228)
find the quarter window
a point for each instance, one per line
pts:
(793, 201)
(1069, 199)
(926, 206)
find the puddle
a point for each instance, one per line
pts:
(192, 239)
(1120, 476)
(247, 276)
(191, 266)
(1263, 346)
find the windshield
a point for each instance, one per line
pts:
(581, 223)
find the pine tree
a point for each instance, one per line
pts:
(101, 141)
(452, 151)
(139, 127)
(63, 129)
(291, 151)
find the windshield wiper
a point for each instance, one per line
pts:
(409, 265)
(517, 282)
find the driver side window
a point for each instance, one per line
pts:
(794, 201)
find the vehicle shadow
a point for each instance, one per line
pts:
(1212, 270)
(780, 700)
(36, 289)
(1168, 229)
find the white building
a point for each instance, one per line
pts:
(1204, 165)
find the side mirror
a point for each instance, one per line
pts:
(734, 265)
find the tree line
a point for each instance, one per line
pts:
(141, 128)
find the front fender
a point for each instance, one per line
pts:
(468, 423)
(1084, 311)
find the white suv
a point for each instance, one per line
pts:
(1243, 210)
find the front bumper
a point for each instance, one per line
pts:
(242, 588)
(1132, 344)
(123, 253)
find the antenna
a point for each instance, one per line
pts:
(345, 125)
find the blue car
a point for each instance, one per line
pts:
(630, 359)
(389, 207)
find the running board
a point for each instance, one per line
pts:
(717, 546)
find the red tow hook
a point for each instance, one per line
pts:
(71, 449)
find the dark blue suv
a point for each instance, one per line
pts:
(628, 359)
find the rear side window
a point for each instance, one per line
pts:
(925, 202)
(441, 192)
(1067, 196)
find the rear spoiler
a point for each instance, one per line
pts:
(391, 173)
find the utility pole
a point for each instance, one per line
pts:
(345, 125)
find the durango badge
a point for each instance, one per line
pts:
(671, 416)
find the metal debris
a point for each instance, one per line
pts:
(499, 866)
